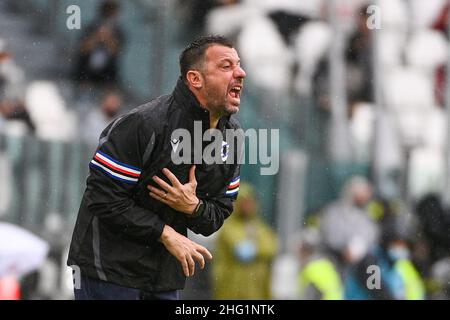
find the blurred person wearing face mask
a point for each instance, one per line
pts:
(244, 251)
(395, 251)
(100, 47)
(97, 119)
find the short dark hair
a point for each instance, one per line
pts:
(195, 51)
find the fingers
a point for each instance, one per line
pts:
(191, 264)
(185, 267)
(162, 183)
(159, 198)
(157, 191)
(204, 252)
(192, 175)
(172, 177)
(197, 255)
(200, 259)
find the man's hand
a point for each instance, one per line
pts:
(180, 197)
(184, 250)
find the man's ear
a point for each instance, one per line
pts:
(195, 79)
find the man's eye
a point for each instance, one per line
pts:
(227, 66)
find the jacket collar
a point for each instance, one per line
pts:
(186, 99)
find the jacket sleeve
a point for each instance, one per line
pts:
(114, 172)
(217, 209)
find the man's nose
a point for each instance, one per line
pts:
(239, 72)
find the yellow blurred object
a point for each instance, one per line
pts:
(234, 277)
(376, 210)
(323, 276)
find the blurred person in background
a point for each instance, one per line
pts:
(12, 78)
(439, 286)
(245, 248)
(12, 89)
(318, 278)
(351, 236)
(346, 222)
(100, 47)
(434, 222)
(402, 276)
(97, 119)
(16, 110)
(359, 67)
(360, 61)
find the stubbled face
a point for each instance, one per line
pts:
(223, 80)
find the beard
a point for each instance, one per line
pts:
(219, 103)
(230, 110)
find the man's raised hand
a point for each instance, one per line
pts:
(181, 197)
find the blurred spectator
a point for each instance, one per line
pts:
(359, 65)
(99, 118)
(435, 224)
(440, 272)
(397, 257)
(15, 110)
(350, 234)
(360, 61)
(318, 277)
(12, 79)
(395, 252)
(244, 252)
(346, 227)
(100, 47)
(12, 90)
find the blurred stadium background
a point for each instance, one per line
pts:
(357, 107)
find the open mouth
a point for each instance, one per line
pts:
(235, 92)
